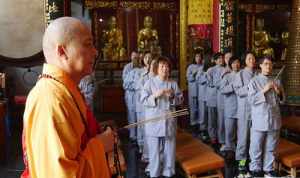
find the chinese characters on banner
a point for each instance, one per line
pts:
(227, 24)
(200, 12)
(53, 9)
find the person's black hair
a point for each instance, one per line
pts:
(227, 50)
(217, 55)
(194, 56)
(262, 59)
(232, 60)
(207, 62)
(244, 56)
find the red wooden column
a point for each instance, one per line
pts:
(216, 26)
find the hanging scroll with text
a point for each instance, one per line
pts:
(227, 24)
(200, 12)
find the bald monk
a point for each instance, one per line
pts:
(56, 138)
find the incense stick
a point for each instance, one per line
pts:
(279, 73)
(165, 116)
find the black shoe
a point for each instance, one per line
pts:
(271, 174)
(204, 136)
(257, 174)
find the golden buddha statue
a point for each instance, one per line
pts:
(113, 41)
(148, 37)
(261, 40)
(284, 41)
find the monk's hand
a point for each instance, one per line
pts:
(267, 87)
(107, 138)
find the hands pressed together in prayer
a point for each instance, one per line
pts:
(271, 85)
(169, 93)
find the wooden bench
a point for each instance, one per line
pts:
(287, 156)
(197, 159)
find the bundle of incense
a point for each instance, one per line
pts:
(169, 115)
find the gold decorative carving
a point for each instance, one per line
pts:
(146, 5)
(183, 42)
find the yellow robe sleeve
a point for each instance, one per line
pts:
(53, 132)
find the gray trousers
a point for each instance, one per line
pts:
(193, 104)
(202, 115)
(212, 122)
(262, 146)
(141, 138)
(230, 134)
(243, 138)
(221, 125)
(161, 148)
(132, 119)
(140, 129)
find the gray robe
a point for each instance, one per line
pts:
(266, 123)
(230, 110)
(240, 85)
(214, 81)
(201, 78)
(193, 92)
(161, 135)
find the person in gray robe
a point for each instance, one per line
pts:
(160, 95)
(230, 105)
(130, 98)
(264, 96)
(191, 73)
(215, 100)
(87, 88)
(240, 85)
(140, 111)
(201, 79)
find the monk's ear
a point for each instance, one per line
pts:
(61, 51)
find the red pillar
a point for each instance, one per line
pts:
(216, 26)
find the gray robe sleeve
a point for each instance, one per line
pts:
(240, 89)
(255, 95)
(178, 95)
(128, 83)
(147, 97)
(201, 78)
(209, 78)
(226, 86)
(190, 74)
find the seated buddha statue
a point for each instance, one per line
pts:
(148, 37)
(113, 41)
(262, 41)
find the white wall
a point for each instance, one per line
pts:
(21, 30)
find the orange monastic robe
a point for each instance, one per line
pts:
(54, 132)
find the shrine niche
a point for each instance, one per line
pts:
(263, 28)
(24, 47)
(160, 35)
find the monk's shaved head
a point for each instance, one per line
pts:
(68, 45)
(60, 32)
